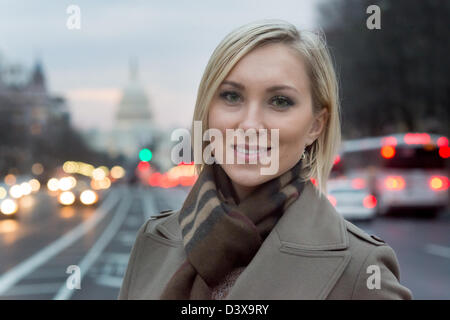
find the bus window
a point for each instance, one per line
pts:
(357, 160)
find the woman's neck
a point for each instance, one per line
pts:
(242, 191)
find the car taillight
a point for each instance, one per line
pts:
(394, 183)
(336, 159)
(438, 183)
(332, 199)
(358, 183)
(369, 201)
(387, 152)
(444, 152)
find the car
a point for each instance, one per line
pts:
(76, 191)
(9, 206)
(351, 198)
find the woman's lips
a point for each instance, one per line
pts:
(250, 153)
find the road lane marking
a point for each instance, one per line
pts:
(20, 271)
(48, 273)
(32, 289)
(109, 281)
(438, 250)
(126, 238)
(96, 250)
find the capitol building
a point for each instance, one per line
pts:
(134, 127)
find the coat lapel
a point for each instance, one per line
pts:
(302, 258)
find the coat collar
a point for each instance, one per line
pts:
(302, 258)
(310, 223)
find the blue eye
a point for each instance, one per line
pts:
(282, 102)
(230, 96)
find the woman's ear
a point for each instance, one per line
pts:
(318, 125)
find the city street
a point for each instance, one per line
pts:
(38, 247)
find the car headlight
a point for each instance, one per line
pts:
(8, 206)
(88, 197)
(53, 184)
(16, 191)
(66, 198)
(26, 188)
(67, 183)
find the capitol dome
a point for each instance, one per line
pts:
(134, 104)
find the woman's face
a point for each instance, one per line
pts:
(267, 89)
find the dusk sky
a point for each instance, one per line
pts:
(172, 41)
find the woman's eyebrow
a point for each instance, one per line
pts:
(271, 89)
(234, 84)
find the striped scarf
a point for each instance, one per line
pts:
(220, 233)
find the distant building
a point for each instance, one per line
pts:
(24, 96)
(134, 127)
(27, 109)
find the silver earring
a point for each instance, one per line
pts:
(303, 155)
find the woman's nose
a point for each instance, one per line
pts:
(252, 118)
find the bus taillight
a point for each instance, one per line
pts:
(370, 201)
(444, 152)
(387, 152)
(442, 142)
(438, 183)
(394, 183)
(417, 138)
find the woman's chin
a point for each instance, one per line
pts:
(245, 175)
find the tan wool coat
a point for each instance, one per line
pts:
(311, 253)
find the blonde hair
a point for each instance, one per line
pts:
(319, 156)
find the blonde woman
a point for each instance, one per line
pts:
(241, 234)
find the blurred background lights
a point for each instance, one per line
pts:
(98, 174)
(101, 184)
(66, 198)
(145, 155)
(26, 188)
(15, 191)
(117, 172)
(70, 167)
(105, 170)
(53, 184)
(35, 185)
(67, 183)
(3, 193)
(85, 169)
(26, 202)
(8, 206)
(88, 197)
(10, 179)
(37, 169)
(8, 226)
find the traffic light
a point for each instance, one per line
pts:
(145, 155)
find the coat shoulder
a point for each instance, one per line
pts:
(162, 214)
(164, 225)
(361, 235)
(370, 255)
